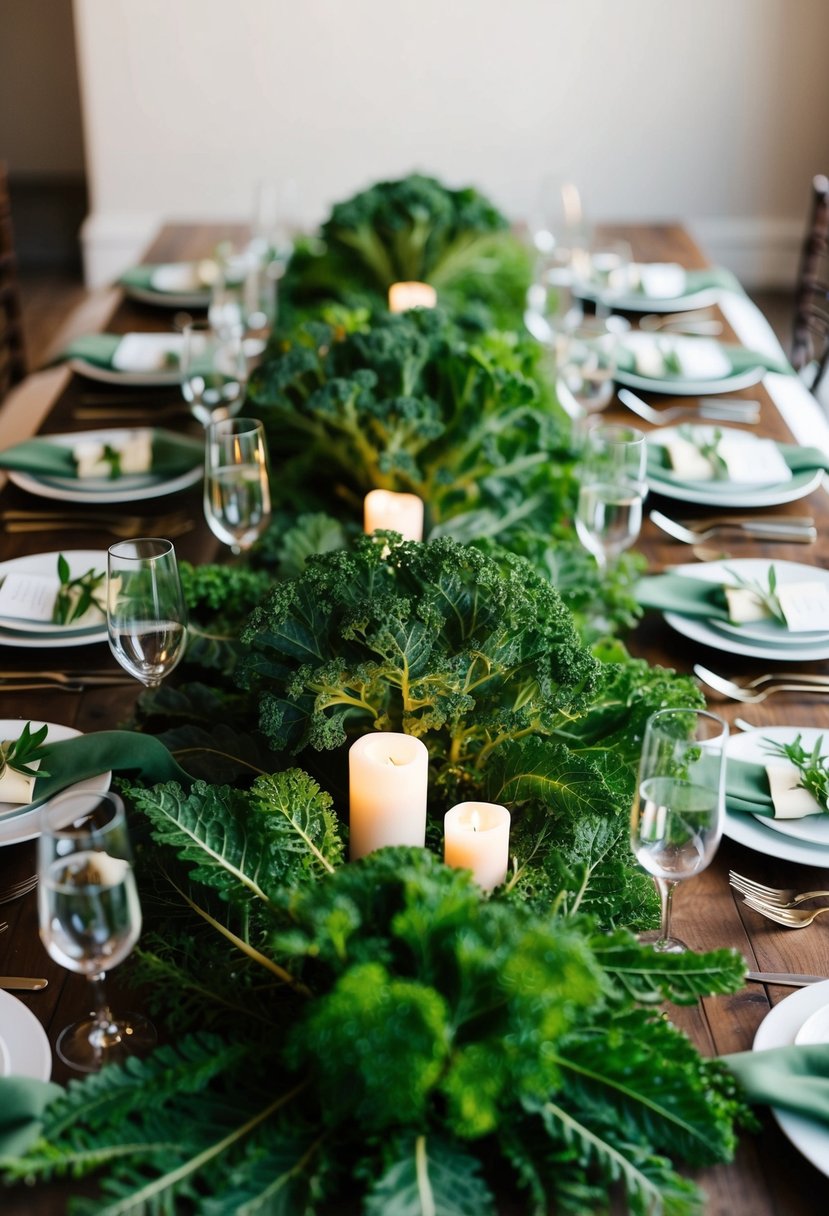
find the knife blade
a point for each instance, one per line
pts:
(786, 979)
(22, 981)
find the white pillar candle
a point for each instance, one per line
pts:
(387, 779)
(403, 296)
(476, 838)
(401, 513)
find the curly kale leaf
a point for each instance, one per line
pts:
(427, 1174)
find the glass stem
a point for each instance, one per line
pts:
(104, 1033)
(665, 887)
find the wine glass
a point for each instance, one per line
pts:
(604, 269)
(677, 817)
(612, 490)
(587, 354)
(237, 493)
(90, 918)
(243, 301)
(213, 371)
(146, 615)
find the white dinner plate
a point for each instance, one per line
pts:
(698, 629)
(172, 285)
(91, 491)
(779, 1029)
(637, 301)
(687, 386)
(18, 823)
(139, 359)
(812, 829)
(729, 494)
(27, 1051)
(28, 633)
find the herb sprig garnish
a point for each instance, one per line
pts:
(112, 456)
(812, 765)
(708, 448)
(18, 754)
(76, 595)
(766, 595)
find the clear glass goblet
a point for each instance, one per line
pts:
(612, 490)
(146, 614)
(237, 493)
(587, 356)
(213, 371)
(90, 918)
(678, 810)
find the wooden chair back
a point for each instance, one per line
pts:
(12, 348)
(810, 339)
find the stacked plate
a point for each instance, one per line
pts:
(24, 1047)
(127, 488)
(662, 287)
(707, 366)
(139, 359)
(724, 494)
(758, 639)
(44, 634)
(802, 840)
(171, 285)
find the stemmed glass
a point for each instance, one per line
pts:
(90, 918)
(146, 614)
(587, 353)
(612, 490)
(213, 371)
(237, 493)
(678, 810)
(243, 301)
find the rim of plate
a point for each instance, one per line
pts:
(691, 388)
(21, 824)
(108, 375)
(637, 302)
(801, 484)
(31, 563)
(27, 1044)
(157, 489)
(167, 299)
(751, 832)
(778, 1029)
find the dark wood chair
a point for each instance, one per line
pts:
(12, 349)
(810, 339)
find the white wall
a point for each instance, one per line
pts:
(715, 111)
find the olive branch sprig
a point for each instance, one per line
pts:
(766, 595)
(18, 754)
(75, 595)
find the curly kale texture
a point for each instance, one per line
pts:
(414, 228)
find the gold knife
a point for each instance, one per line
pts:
(785, 979)
(22, 981)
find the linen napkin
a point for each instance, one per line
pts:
(792, 1078)
(144, 277)
(737, 358)
(679, 593)
(173, 455)
(98, 349)
(85, 756)
(23, 1101)
(747, 791)
(799, 459)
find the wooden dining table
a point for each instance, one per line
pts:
(768, 1177)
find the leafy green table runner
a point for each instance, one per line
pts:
(793, 1078)
(172, 455)
(679, 593)
(799, 459)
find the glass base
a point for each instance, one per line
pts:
(87, 1047)
(664, 945)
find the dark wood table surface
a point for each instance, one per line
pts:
(769, 1176)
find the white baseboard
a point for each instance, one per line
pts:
(762, 252)
(112, 242)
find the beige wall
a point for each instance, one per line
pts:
(716, 111)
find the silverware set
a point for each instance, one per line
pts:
(17, 890)
(778, 904)
(709, 409)
(61, 681)
(697, 322)
(762, 687)
(795, 529)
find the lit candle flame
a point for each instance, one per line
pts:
(475, 821)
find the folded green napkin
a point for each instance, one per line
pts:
(23, 1101)
(792, 1078)
(799, 460)
(98, 349)
(739, 357)
(173, 455)
(747, 788)
(679, 593)
(142, 277)
(85, 756)
(711, 276)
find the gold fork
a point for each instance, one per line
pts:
(792, 918)
(777, 897)
(124, 528)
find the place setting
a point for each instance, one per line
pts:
(682, 365)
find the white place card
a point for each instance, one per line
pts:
(805, 606)
(28, 597)
(687, 461)
(758, 463)
(17, 788)
(744, 606)
(789, 801)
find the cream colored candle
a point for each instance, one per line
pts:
(403, 296)
(387, 779)
(401, 513)
(476, 838)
